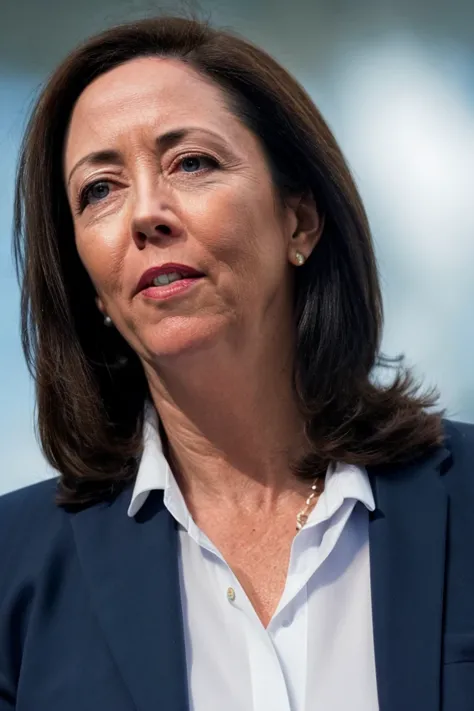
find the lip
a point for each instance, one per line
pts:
(146, 279)
(164, 293)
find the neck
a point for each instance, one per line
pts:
(232, 425)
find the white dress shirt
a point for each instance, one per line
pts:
(317, 653)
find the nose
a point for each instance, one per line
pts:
(154, 218)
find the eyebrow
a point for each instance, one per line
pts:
(165, 141)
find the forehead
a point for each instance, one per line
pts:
(148, 92)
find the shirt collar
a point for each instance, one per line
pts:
(343, 481)
(154, 471)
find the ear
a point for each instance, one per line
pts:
(307, 225)
(100, 305)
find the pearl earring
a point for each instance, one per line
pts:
(300, 259)
(107, 321)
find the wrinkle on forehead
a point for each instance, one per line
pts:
(147, 93)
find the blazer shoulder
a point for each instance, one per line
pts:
(33, 500)
(459, 474)
(459, 440)
(30, 522)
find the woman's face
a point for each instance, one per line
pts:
(161, 175)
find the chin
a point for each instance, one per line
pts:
(182, 336)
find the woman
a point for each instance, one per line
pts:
(244, 518)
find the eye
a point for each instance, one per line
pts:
(193, 163)
(93, 193)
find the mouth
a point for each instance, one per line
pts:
(165, 275)
(165, 279)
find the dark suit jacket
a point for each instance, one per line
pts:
(90, 616)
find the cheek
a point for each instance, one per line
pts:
(240, 221)
(249, 240)
(102, 255)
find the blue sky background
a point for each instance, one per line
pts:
(21, 461)
(400, 101)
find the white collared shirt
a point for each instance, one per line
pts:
(317, 653)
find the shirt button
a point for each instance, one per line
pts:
(230, 594)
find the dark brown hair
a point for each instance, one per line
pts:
(91, 387)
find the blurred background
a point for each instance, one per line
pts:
(395, 81)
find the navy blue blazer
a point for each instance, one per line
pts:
(90, 614)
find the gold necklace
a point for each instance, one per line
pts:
(303, 515)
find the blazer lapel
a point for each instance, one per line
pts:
(131, 569)
(407, 536)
